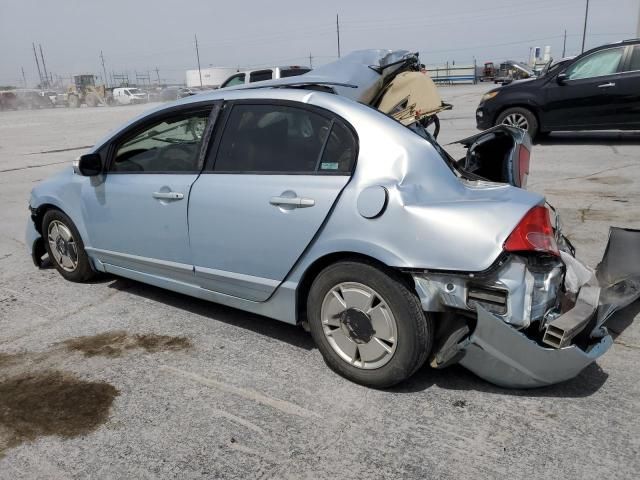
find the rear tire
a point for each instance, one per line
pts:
(519, 117)
(368, 324)
(65, 247)
(91, 100)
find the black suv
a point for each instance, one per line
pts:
(598, 90)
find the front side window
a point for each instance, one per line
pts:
(170, 145)
(604, 62)
(283, 139)
(235, 80)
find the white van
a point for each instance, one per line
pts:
(125, 96)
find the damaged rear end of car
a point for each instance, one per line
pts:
(537, 316)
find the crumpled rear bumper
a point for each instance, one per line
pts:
(502, 355)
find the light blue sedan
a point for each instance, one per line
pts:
(311, 208)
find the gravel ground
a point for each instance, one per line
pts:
(187, 389)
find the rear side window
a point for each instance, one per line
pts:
(604, 62)
(260, 75)
(634, 61)
(340, 151)
(292, 72)
(283, 139)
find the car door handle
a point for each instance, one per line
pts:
(295, 202)
(168, 195)
(607, 85)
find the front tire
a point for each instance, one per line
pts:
(519, 117)
(65, 247)
(368, 325)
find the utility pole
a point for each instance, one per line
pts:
(564, 44)
(24, 78)
(310, 61)
(584, 31)
(198, 57)
(44, 66)
(104, 70)
(37, 63)
(638, 27)
(158, 75)
(338, 32)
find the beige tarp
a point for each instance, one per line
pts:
(411, 96)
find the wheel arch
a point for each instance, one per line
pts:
(319, 264)
(527, 106)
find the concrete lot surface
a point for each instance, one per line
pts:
(166, 386)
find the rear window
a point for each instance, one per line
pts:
(293, 72)
(634, 61)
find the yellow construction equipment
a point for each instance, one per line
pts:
(85, 90)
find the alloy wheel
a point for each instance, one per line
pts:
(63, 245)
(516, 120)
(359, 325)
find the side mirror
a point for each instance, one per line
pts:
(561, 78)
(90, 165)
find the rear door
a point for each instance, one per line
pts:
(274, 173)
(584, 99)
(625, 95)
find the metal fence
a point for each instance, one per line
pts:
(451, 74)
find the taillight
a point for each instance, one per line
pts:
(534, 233)
(523, 165)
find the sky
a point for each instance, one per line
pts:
(141, 35)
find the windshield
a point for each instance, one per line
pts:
(135, 91)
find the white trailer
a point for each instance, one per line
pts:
(211, 77)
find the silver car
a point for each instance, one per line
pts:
(294, 201)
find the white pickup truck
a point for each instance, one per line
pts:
(125, 96)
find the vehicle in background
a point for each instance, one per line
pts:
(510, 71)
(211, 77)
(85, 91)
(553, 66)
(263, 74)
(598, 90)
(189, 91)
(129, 95)
(8, 100)
(169, 93)
(32, 99)
(488, 72)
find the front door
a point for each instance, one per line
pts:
(278, 171)
(583, 99)
(136, 214)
